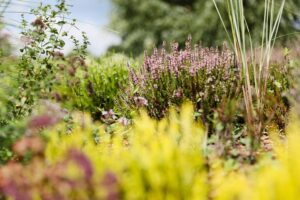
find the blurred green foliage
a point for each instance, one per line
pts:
(143, 24)
(94, 87)
(8, 88)
(29, 78)
(44, 40)
(10, 130)
(5, 47)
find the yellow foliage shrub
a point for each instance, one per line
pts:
(150, 160)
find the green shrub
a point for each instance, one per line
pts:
(44, 40)
(95, 86)
(10, 129)
(30, 77)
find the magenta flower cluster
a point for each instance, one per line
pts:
(169, 76)
(189, 60)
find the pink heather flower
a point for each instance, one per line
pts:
(178, 93)
(140, 101)
(192, 71)
(124, 121)
(111, 114)
(108, 115)
(177, 61)
(146, 62)
(174, 66)
(175, 48)
(105, 115)
(133, 77)
(132, 74)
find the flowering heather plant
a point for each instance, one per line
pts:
(206, 76)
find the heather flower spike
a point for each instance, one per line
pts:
(140, 101)
(124, 121)
(190, 59)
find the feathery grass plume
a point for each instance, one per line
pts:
(254, 74)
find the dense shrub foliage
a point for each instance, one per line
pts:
(93, 86)
(44, 40)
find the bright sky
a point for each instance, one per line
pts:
(92, 16)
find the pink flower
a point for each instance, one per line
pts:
(140, 101)
(124, 121)
(108, 115)
(178, 93)
(111, 114)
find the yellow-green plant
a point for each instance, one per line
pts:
(272, 178)
(94, 87)
(153, 160)
(150, 160)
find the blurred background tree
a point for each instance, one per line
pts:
(143, 24)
